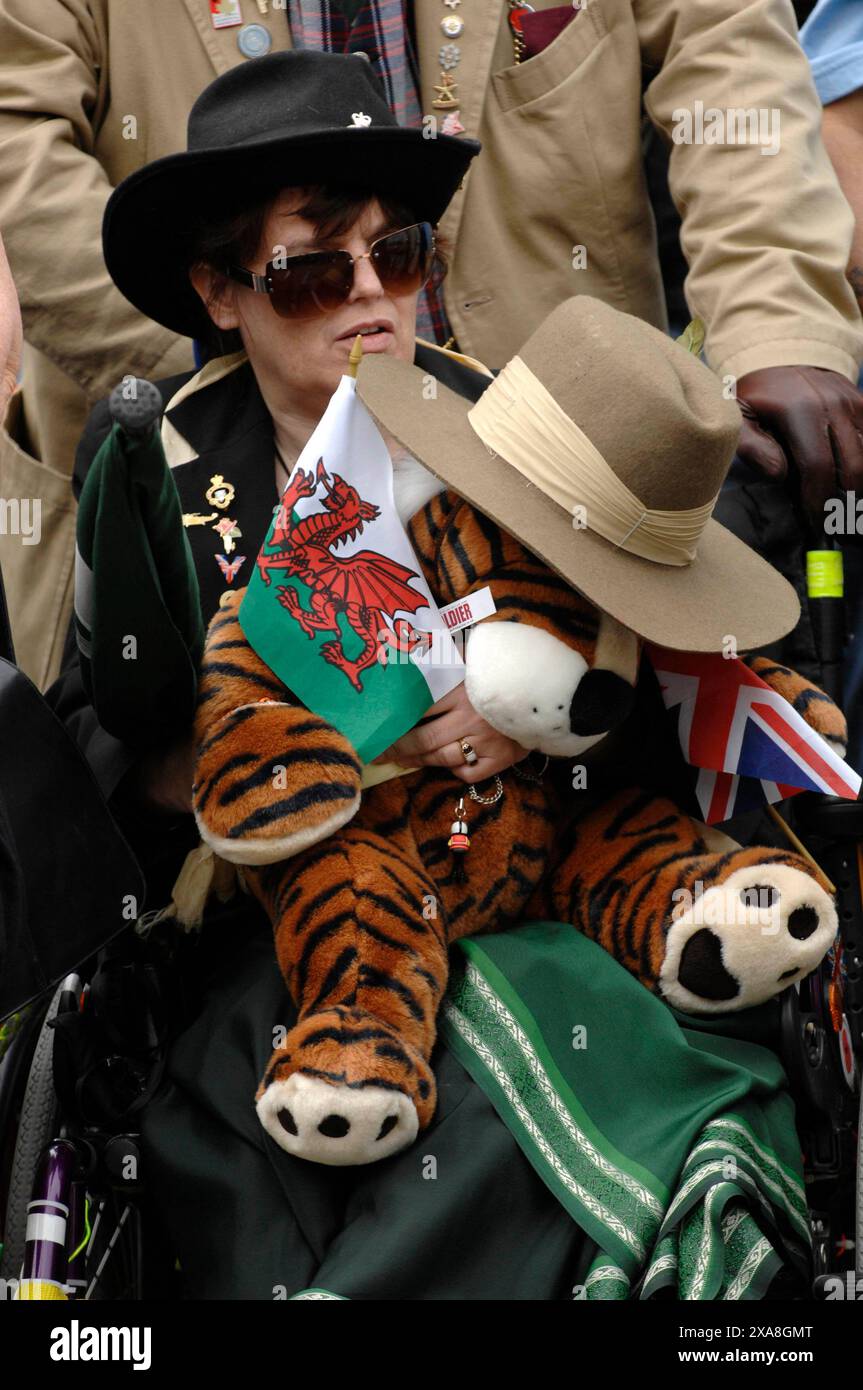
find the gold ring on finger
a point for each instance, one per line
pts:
(468, 754)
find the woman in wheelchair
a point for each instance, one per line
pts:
(576, 1136)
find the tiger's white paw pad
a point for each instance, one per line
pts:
(746, 939)
(336, 1125)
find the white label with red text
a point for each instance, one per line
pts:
(468, 610)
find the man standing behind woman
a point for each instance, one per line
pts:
(556, 204)
(832, 39)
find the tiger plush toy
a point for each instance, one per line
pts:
(347, 879)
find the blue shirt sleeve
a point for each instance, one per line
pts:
(832, 40)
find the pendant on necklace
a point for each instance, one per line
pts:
(459, 840)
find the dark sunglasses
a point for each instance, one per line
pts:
(320, 281)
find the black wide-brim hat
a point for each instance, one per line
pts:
(300, 117)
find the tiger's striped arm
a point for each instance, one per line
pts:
(813, 704)
(351, 1082)
(711, 933)
(271, 777)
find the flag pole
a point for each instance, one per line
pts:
(356, 355)
(800, 847)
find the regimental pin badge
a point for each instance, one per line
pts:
(220, 493)
(359, 120)
(447, 89)
(229, 531)
(230, 568)
(449, 55)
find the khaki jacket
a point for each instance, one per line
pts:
(92, 89)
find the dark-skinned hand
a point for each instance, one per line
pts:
(803, 426)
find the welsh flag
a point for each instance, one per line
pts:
(337, 606)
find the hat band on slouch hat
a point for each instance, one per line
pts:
(518, 418)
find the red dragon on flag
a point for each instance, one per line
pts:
(369, 588)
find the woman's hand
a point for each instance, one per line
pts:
(435, 743)
(165, 776)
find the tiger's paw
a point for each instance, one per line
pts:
(746, 939)
(813, 704)
(331, 1123)
(271, 780)
(379, 1093)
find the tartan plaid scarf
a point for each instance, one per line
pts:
(381, 28)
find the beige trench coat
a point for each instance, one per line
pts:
(92, 89)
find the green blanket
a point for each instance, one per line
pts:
(673, 1148)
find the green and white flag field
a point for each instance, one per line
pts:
(337, 606)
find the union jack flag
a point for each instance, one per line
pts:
(747, 744)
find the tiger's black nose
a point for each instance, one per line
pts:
(602, 700)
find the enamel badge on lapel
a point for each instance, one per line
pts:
(254, 40)
(449, 57)
(220, 494)
(225, 13)
(230, 568)
(447, 89)
(229, 531)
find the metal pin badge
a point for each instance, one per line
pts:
(254, 40)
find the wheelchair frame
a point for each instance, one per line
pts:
(89, 1167)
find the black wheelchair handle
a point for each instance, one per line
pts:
(135, 405)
